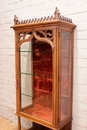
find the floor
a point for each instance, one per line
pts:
(7, 125)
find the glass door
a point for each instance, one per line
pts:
(36, 79)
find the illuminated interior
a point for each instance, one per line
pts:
(36, 86)
(41, 104)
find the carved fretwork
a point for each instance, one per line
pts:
(54, 17)
(24, 35)
(42, 35)
(45, 34)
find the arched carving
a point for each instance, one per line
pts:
(26, 40)
(43, 39)
(42, 35)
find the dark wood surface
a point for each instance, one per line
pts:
(40, 127)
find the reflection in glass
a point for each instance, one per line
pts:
(65, 75)
(36, 79)
(26, 80)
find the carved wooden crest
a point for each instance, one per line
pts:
(53, 17)
(27, 27)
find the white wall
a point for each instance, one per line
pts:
(25, 9)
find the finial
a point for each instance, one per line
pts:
(57, 13)
(15, 19)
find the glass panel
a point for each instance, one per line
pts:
(65, 75)
(26, 79)
(26, 90)
(36, 79)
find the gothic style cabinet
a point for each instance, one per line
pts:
(44, 74)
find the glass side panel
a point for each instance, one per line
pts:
(36, 79)
(26, 79)
(65, 75)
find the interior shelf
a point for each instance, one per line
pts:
(39, 75)
(42, 112)
(36, 51)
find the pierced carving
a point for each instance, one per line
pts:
(56, 16)
(23, 35)
(48, 18)
(65, 19)
(43, 35)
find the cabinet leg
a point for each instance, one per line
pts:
(19, 123)
(68, 126)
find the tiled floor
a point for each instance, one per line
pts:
(7, 125)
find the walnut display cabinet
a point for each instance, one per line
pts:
(44, 71)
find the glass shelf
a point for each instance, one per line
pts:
(42, 61)
(45, 76)
(36, 51)
(39, 90)
(26, 95)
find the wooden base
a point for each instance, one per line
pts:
(33, 128)
(40, 127)
(67, 126)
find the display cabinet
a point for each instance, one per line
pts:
(44, 71)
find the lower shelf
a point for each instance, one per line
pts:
(42, 112)
(39, 111)
(41, 106)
